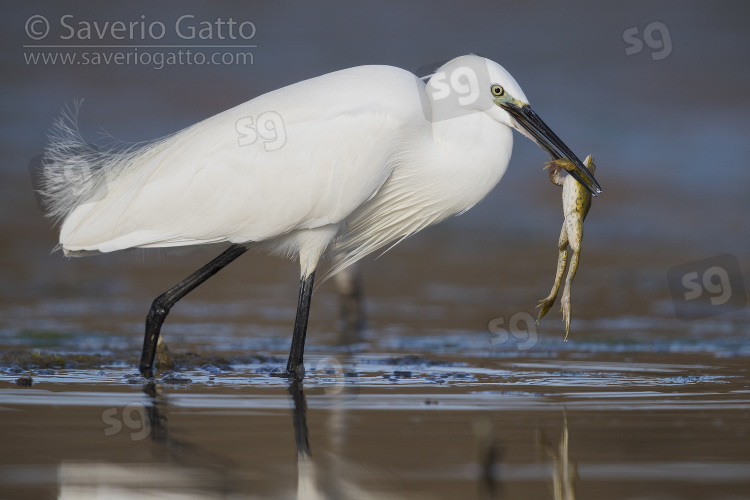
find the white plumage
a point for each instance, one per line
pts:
(360, 156)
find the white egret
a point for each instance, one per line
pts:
(338, 165)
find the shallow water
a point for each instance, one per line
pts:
(426, 403)
(384, 426)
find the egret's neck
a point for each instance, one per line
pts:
(472, 154)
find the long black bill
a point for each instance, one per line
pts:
(553, 145)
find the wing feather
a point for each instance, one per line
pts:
(203, 185)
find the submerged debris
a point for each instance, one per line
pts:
(25, 381)
(39, 360)
(213, 370)
(174, 378)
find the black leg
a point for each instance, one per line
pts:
(300, 418)
(295, 366)
(164, 302)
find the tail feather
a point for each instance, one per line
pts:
(74, 172)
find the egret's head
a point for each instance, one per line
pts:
(510, 101)
(473, 83)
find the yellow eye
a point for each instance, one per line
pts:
(497, 90)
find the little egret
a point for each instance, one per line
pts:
(337, 166)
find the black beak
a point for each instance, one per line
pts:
(548, 141)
